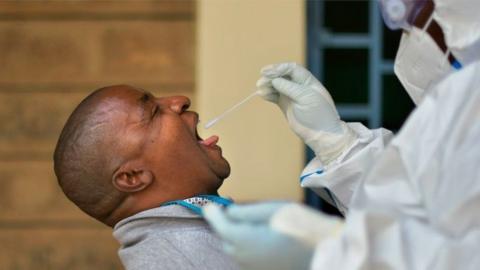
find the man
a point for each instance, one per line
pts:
(136, 162)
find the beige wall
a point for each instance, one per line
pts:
(235, 39)
(53, 54)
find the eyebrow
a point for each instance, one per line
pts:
(145, 98)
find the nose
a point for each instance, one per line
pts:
(179, 104)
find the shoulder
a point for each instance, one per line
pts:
(195, 247)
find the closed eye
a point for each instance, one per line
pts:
(155, 110)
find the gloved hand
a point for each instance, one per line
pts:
(308, 107)
(261, 236)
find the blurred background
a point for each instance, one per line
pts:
(54, 53)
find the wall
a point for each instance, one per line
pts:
(52, 54)
(235, 39)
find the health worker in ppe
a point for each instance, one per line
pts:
(412, 200)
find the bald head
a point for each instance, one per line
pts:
(87, 153)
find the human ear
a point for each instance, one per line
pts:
(132, 180)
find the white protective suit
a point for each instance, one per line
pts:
(422, 213)
(342, 176)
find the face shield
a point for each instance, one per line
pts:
(400, 14)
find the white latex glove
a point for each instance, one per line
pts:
(261, 236)
(308, 107)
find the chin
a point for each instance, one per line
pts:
(224, 171)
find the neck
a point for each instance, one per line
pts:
(136, 203)
(124, 210)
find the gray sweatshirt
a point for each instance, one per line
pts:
(169, 237)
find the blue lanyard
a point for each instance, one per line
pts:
(310, 174)
(198, 209)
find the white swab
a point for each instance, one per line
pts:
(212, 122)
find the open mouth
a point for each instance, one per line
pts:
(210, 141)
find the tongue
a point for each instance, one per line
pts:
(212, 140)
